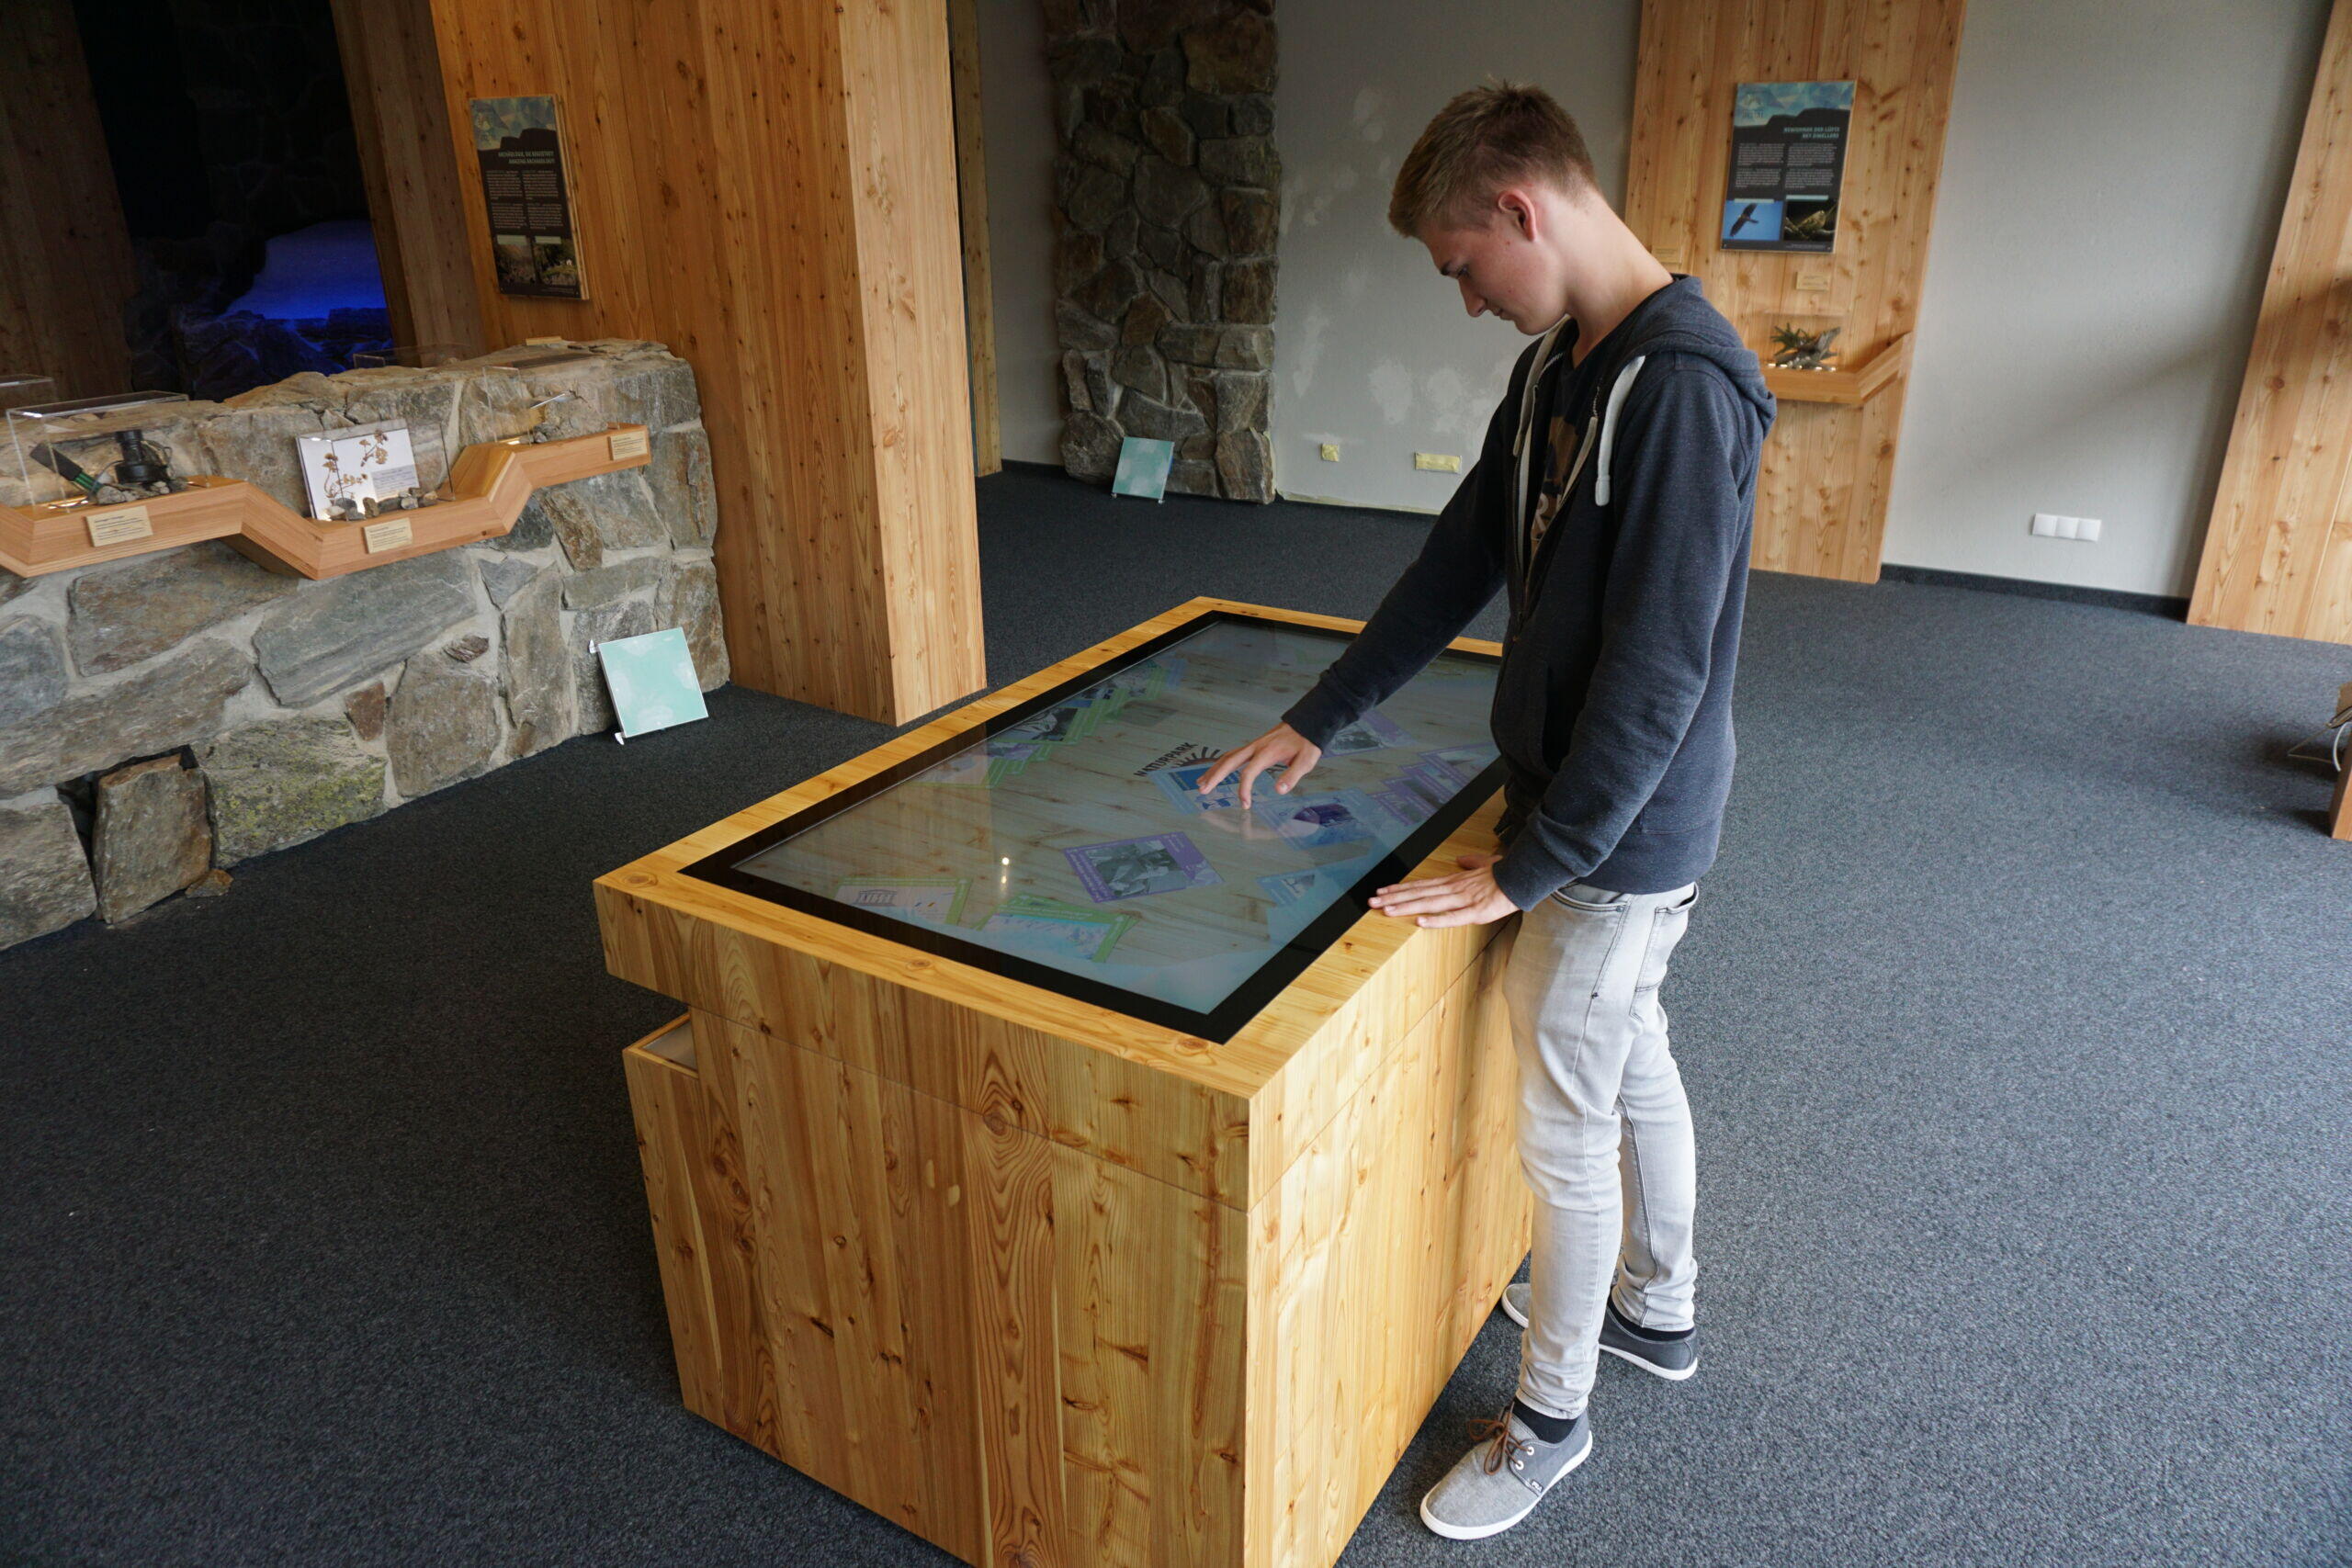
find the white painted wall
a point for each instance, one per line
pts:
(1017, 123)
(2112, 180)
(1372, 349)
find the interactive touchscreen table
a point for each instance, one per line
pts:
(1067, 1165)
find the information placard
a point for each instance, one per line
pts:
(529, 194)
(1788, 164)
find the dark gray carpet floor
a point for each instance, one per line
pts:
(2016, 1017)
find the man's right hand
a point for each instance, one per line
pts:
(1281, 747)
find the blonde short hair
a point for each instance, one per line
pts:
(1486, 138)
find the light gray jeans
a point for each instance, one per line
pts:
(1611, 1210)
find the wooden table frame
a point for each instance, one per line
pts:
(1042, 1282)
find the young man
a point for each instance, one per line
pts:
(1613, 499)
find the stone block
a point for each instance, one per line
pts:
(1190, 344)
(1090, 446)
(1244, 348)
(1207, 301)
(1190, 477)
(124, 614)
(426, 400)
(495, 403)
(1146, 319)
(44, 880)
(1206, 116)
(1240, 401)
(1105, 149)
(1157, 421)
(151, 837)
(11, 584)
(607, 623)
(604, 511)
(1145, 25)
(1083, 62)
(1233, 54)
(1251, 115)
(538, 666)
(534, 529)
(286, 781)
(689, 599)
(1245, 465)
(365, 709)
(1165, 193)
(1076, 257)
(685, 496)
(445, 727)
(1079, 331)
(1119, 238)
(1107, 295)
(1249, 296)
(1087, 380)
(1142, 370)
(1163, 82)
(1094, 196)
(174, 703)
(1111, 106)
(619, 580)
(1242, 161)
(1169, 137)
(467, 649)
(1206, 229)
(1252, 220)
(257, 444)
(33, 670)
(334, 635)
(503, 575)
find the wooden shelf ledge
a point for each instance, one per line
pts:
(1848, 386)
(487, 488)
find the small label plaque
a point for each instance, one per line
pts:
(630, 444)
(119, 525)
(392, 536)
(1667, 256)
(1812, 283)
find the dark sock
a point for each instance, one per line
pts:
(1551, 1428)
(1630, 1327)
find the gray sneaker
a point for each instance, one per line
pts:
(1672, 1360)
(1503, 1476)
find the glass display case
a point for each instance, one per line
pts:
(1065, 843)
(99, 450)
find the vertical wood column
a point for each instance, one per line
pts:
(416, 189)
(1821, 495)
(972, 190)
(2279, 549)
(770, 189)
(65, 268)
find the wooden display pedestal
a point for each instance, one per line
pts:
(1045, 1284)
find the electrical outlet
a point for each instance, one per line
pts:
(1438, 462)
(1329, 451)
(2051, 525)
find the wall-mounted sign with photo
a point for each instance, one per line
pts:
(1788, 164)
(528, 193)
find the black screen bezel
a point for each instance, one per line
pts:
(1218, 1024)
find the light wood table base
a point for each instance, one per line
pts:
(1045, 1285)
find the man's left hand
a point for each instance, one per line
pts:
(1467, 899)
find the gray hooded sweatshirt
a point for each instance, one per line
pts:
(1613, 501)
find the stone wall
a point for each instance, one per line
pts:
(168, 716)
(1166, 206)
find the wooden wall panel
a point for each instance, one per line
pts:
(1821, 497)
(416, 188)
(65, 266)
(770, 189)
(2278, 550)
